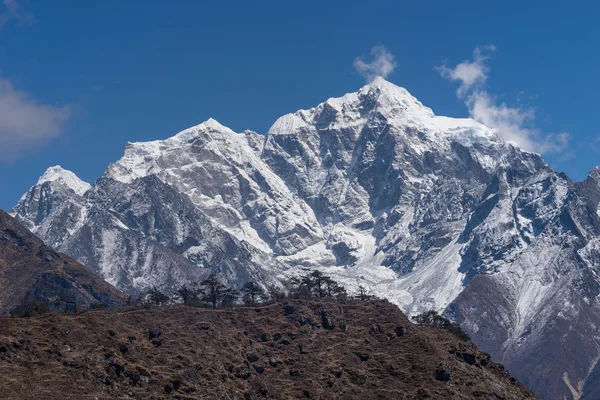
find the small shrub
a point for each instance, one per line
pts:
(31, 309)
(432, 318)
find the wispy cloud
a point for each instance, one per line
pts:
(25, 122)
(382, 64)
(514, 124)
(14, 11)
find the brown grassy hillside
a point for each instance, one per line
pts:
(285, 350)
(31, 272)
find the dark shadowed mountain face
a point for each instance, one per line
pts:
(430, 212)
(31, 272)
(371, 351)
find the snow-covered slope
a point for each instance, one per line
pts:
(428, 211)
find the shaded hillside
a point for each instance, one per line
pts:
(288, 349)
(31, 272)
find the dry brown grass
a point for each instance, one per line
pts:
(206, 354)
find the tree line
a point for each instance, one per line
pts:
(213, 292)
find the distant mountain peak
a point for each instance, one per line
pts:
(66, 177)
(431, 212)
(210, 125)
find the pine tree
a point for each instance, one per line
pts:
(214, 291)
(187, 294)
(155, 296)
(316, 284)
(252, 292)
(362, 293)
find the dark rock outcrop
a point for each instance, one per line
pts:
(33, 276)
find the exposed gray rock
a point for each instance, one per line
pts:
(429, 212)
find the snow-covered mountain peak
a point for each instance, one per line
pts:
(431, 212)
(147, 158)
(386, 89)
(66, 177)
(379, 98)
(384, 106)
(209, 126)
(595, 173)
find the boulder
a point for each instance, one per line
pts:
(273, 362)
(303, 349)
(442, 374)
(153, 334)
(400, 330)
(265, 337)
(242, 372)
(289, 310)
(326, 320)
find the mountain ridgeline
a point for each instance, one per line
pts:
(372, 188)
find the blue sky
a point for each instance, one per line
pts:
(78, 79)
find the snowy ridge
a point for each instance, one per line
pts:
(68, 178)
(372, 188)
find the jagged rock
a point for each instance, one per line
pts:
(260, 368)
(442, 374)
(303, 349)
(252, 357)
(400, 330)
(469, 358)
(242, 372)
(116, 367)
(326, 320)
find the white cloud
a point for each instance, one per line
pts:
(25, 122)
(382, 64)
(514, 124)
(14, 11)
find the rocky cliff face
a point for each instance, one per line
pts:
(372, 187)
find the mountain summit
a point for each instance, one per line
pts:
(428, 211)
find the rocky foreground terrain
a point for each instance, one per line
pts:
(287, 349)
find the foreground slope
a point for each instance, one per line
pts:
(31, 272)
(372, 187)
(371, 352)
